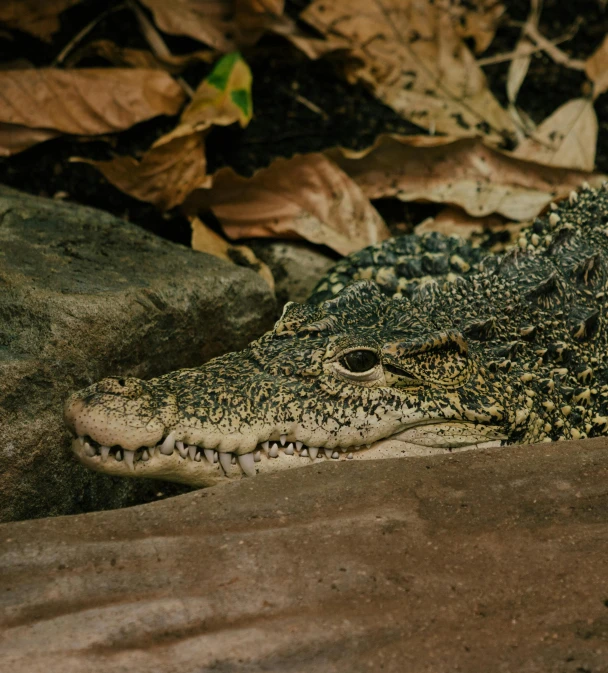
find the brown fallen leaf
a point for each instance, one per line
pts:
(463, 172)
(596, 68)
(518, 67)
(166, 174)
(411, 56)
(306, 196)
(36, 17)
(222, 24)
(477, 20)
(136, 58)
(82, 102)
(175, 165)
(456, 222)
(567, 138)
(206, 240)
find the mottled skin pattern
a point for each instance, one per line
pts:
(509, 347)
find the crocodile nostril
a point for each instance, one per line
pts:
(121, 382)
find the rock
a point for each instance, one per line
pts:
(492, 560)
(84, 295)
(296, 267)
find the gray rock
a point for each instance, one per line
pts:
(478, 562)
(85, 295)
(296, 267)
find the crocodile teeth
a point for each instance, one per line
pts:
(145, 456)
(247, 463)
(257, 456)
(118, 455)
(299, 446)
(289, 450)
(335, 455)
(167, 446)
(152, 451)
(225, 461)
(129, 456)
(265, 445)
(183, 451)
(209, 455)
(313, 452)
(350, 456)
(328, 453)
(304, 453)
(192, 451)
(283, 440)
(198, 457)
(105, 452)
(274, 451)
(89, 450)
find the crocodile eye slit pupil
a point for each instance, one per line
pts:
(359, 361)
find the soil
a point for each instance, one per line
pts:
(283, 126)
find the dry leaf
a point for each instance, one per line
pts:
(463, 172)
(176, 165)
(206, 240)
(477, 20)
(596, 69)
(306, 196)
(414, 61)
(222, 98)
(567, 138)
(456, 222)
(84, 102)
(166, 174)
(222, 24)
(37, 17)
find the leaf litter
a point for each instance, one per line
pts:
(413, 55)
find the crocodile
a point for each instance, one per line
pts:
(414, 346)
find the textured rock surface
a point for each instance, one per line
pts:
(84, 295)
(487, 561)
(296, 267)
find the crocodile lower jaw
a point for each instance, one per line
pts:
(199, 467)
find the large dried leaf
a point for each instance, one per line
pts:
(596, 69)
(37, 17)
(166, 174)
(462, 172)
(567, 138)
(222, 24)
(306, 196)
(83, 102)
(413, 59)
(206, 240)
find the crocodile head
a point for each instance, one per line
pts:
(360, 376)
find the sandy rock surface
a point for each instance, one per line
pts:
(85, 295)
(492, 561)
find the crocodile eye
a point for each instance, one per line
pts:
(359, 361)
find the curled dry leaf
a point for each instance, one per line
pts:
(36, 17)
(567, 138)
(411, 56)
(596, 68)
(462, 172)
(166, 174)
(306, 196)
(84, 102)
(176, 165)
(206, 240)
(456, 222)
